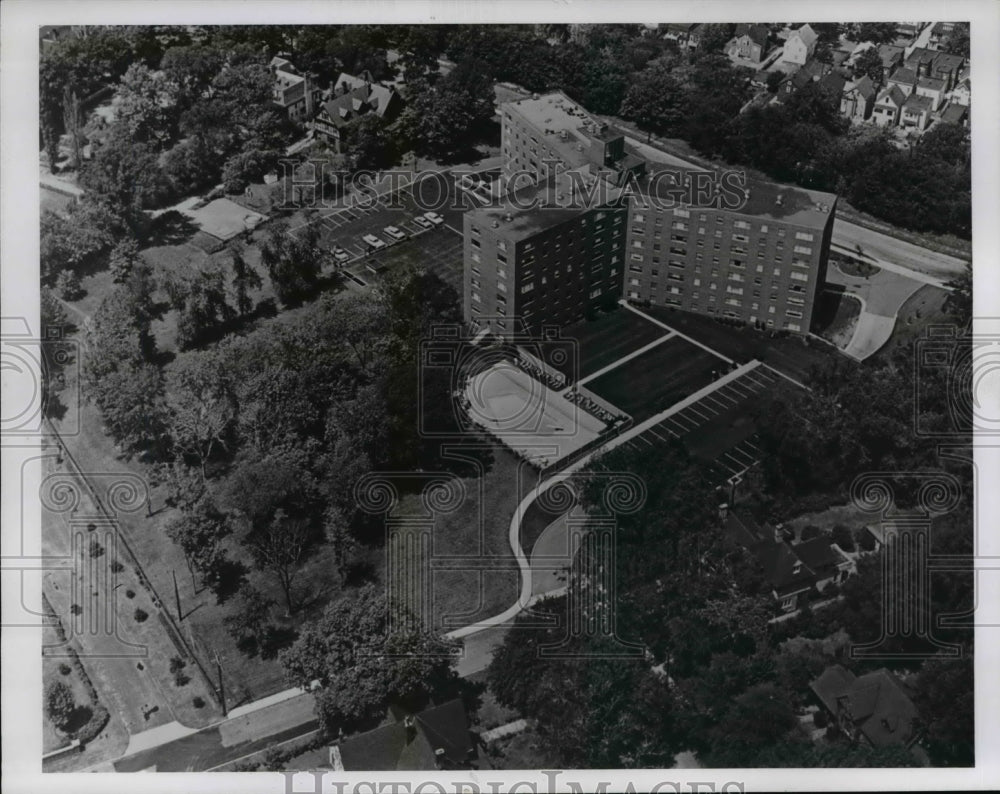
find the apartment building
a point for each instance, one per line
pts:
(760, 258)
(763, 262)
(543, 256)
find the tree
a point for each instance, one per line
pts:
(451, 113)
(280, 548)
(294, 264)
(369, 144)
(364, 662)
(876, 32)
(200, 531)
(124, 257)
(191, 165)
(774, 79)
(338, 535)
(205, 306)
(655, 99)
(146, 111)
(760, 717)
(202, 406)
(68, 285)
(245, 279)
(250, 624)
(59, 704)
(843, 537)
(946, 703)
(869, 63)
(191, 68)
(246, 167)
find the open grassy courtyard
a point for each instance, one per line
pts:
(606, 339)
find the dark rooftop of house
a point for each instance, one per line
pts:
(756, 33)
(875, 702)
(917, 104)
(432, 739)
(818, 554)
(954, 113)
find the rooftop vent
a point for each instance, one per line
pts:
(495, 224)
(508, 217)
(779, 199)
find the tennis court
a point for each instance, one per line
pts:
(537, 423)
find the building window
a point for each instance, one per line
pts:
(527, 287)
(803, 236)
(796, 315)
(741, 225)
(636, 257)
(802, 249)
(639, 218)
(680, 213)
(799, 277)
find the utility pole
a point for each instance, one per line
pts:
(222, 689)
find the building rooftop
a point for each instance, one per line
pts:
(538, 207)
(566, 126)
(954, 113)
(917, 103)
(875, 702)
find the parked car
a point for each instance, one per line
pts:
(373, 241)
(434, 218)
(395, 233)
(421, 221)
(340, 255)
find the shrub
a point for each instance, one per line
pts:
(130, 593)
(117, 567)
(75, 609)
(98, 719)
(198, 702)
(65, 669)
(811, 531)
(96, 549)
(140, 615)
(843, 537)
(59, 704)
(68, 286)
(820, 719)
(176, 663)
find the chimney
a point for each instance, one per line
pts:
(508, 217)
(723, 511)
(779, 533)
(797, 568)
(411, 726)
(779, 199)
(439, 757)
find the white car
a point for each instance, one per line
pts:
(434, 218)
(395, 233)
(422, 222)
(340, 254)
(373, 241)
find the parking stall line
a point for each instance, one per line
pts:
(653, 430)
(682, 428)
(718, 404)
(703, 411)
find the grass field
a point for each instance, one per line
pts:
(923, 308)
(794, 356)
(604, 340)
(719, 428)
(474, 574)
(657, 379)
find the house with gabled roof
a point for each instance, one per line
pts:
(956, 113)
(858, 99)
(791, 569)
(886, 110)
(800, 45)
(749, 43)
(294, 92)
(351, 98)
(873, 709)
(962, 93)
(932, 63)
(933, 89)
(915, 113)
(905, 79)
(939, 34)
(892, 58)
(437, 738)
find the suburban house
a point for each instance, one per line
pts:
(887, 107)
(933, 89)
(916, 113)
(942, 65)
(437, 738)
(908, 30)
(749, 43)
(678, 32)
(694, 37)
(905, 79)
(956, 114)
(872, 709)
(812, 71)
(351, 98)
(939, 34)
(892, 58)
(294, 92)
(792, 569)
(800, 45)
(858, 99)
(962, 93)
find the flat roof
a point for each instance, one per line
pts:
(538, 207)
(564, 125)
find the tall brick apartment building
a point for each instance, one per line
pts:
(756, 251)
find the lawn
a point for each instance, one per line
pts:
(792, 355)
(923, 308)
(604, 340)
(658, 378)
(474, 574)
(836, 317)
